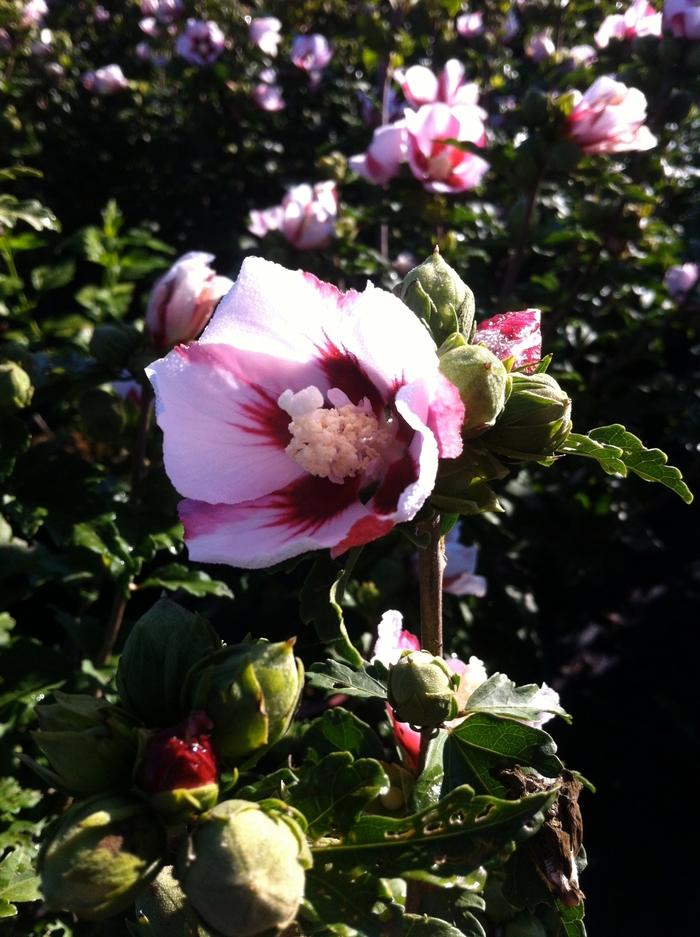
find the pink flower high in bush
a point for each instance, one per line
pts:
(385, 155)
(33, 13)
(264, 32)
(165, 11)
(639, 19)
(106, 80)
(439, 165)
(470, 24)
(681, 279)
(421, 86)
(306, 217)
(303, 419)
(267, 94)
(312, 54)
(183, 299)
(610, 118)
(682, 18)
(201, 43)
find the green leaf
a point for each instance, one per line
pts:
(340, 730)
(484, 744)
(348, 901)
(420, 925)
(7, 623)
(500, 696)
(319, 608)
(368, 681)
(619, 452)
(14, 798)
(30, 211)
(194, 581)
(457, 835)
(572, 919)
(18, 882)
(53, 277)
(333, 793)
(101, 536)
(429, 783)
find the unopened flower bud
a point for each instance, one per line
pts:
(438, 296)
(90, 744)
(179, 769)
(535, 422)
(243, 868)
(100, 855)
(16, 389)
(183, 300)
(250, 691)
(481, 380)
(421, 690)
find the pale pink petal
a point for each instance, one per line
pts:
(450, 81)
(446, 417)
(224, 433)
(386, 153)
(392, 639)
(419, 85)
(512, 335)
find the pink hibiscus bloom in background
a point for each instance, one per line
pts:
(183, 299)
(640, 19)
(682, 18)
(386, 153)
(33, 13)
(459, 577)
(306, 217)
(440, 166)
(681, 279)
(609, 118)
(303, 419)
(267, 94)
(312, 54)
(421, 86)
(201, 43)
(540, 47)
(165, 11)
(106, 80)
(264, 32)
(469, 24)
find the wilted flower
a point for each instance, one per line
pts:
(386, 153)
(306, 217)
(540, 47)
(681, 279)
(639, 19)
(243, 868)
(33, 12)
(422, 86)
(609, 118)
(682, 18)
(264, 32)
(470, 24)
(303, 419)
(201, 43)
(106, 80)
(440, 166)
(311, 53)
(183, 299)
(459, 577)
(267, 94)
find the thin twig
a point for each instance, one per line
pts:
(431, 565)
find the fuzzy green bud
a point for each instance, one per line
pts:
(421, 690)
(16, 389)
(481, 380)
(163, 907)
(90, 745)
(243, 869)
(100, 855)
(250, 691)
(535, 422)
(439, 297)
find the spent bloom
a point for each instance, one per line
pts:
(267, 94)
(264, 32)
(306, 217)
(304, 418)
(421, 86)
(681, 279)
(682, 18)
(183, 299)
(639, 19)
(609, 118)
(106, 80)
(312, 54)
(470, 24)
(201, 43)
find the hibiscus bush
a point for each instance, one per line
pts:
(341, 342)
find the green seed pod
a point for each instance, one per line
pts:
(535, 422)
(16, 389)
(421, 690)
(243, 867)
(438, 296)
(91, 746)
(165, 910)
(100, 855)
(481, 380)
(250, 692)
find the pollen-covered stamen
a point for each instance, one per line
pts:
(337, 442)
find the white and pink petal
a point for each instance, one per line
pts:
(513, 335)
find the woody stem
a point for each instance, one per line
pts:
(431, 565)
